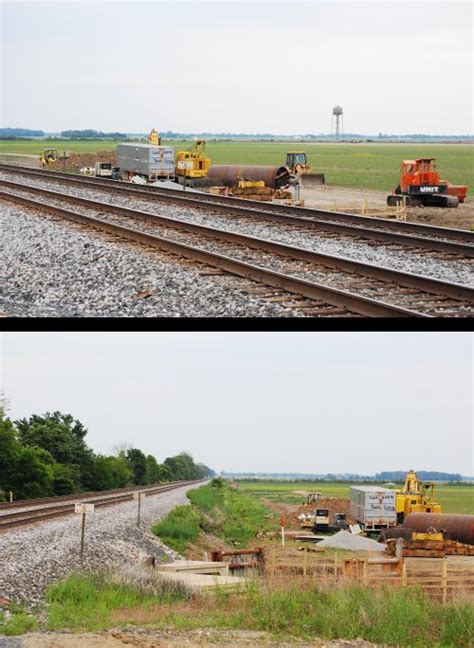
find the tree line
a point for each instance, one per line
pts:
(47, 454)
(91, 134)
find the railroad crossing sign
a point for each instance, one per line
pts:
(80, 507)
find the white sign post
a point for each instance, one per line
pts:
(82, 508)
(138, 496)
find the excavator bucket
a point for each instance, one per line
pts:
(310, 180)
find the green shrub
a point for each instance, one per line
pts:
(180, 526)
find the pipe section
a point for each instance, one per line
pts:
(274, 176)
(457, 527)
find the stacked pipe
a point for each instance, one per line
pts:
(457, 527)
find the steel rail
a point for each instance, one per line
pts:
(64, 498)
(23, 518)
(356, 303)
(406, 279)
(450, 240)
(30, 504)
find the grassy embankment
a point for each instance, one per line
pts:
(367, 166)
(216, 508)
(455, 498)
(136, 596)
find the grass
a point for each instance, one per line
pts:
(17, 621)
(370, 166)
(215, 508)
(455, 498)
(391, 616)
(85, 602)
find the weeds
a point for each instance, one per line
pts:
(17, 621)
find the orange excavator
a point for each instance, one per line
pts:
(420, 184)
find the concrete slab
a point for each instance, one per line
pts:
(196, 567)
(200, 582)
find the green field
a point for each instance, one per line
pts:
(456, 498)
(370, 166)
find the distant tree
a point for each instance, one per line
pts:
(65, 479)
(137, 462)
(121, 471)
(152, 470)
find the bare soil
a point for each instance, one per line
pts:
(353, 200)
(177, 639)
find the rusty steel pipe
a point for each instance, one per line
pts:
(457, 527)
(275, 177)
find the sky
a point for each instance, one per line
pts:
(268, 402)
(243, 67)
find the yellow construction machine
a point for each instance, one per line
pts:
(415, 497)
(297, 164)
(154, 137)
(48, 155)
(193, 162)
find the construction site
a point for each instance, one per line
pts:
(278, 239)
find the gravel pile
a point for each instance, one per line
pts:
(33, 557)
(403, 259)
(345, 540)
(53, 269)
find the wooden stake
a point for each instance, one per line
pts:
(305, 560)
(273, 560)
(444, 578)
(404, 574)
(83, 526)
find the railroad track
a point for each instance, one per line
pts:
(327, 223)
(357, 287)
(11, 518)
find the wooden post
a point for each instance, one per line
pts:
(139, 507)
(11, 496)
(83, 526)
(444, 578)
(273, 560)
(404, 574)
(364, 572)
(305, 560)
(336, 565)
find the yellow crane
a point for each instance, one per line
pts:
(193, 163)
(415, 497)
(154, 137)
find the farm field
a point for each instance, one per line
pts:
(369, 166)
(453, 499)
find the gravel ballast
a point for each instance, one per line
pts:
(50, 268)
(33, 557)
(399, 258)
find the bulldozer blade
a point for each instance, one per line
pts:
(313, 180)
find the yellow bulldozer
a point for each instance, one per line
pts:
(48, 155)
(415, 497)
(297, 164)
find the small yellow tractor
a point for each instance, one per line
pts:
(48, 155)
(415, 497)
(297, 164)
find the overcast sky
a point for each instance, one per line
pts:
(274, 67)
(286, 402)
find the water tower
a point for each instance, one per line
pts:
(337, 113)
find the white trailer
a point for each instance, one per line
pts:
(373, 507)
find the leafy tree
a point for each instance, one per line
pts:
(33, 477)
(152, 470)
(121, 471)
(65, 479)
(10, 451)
(137, 461)
(63, 437)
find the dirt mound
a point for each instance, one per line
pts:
(76, 161)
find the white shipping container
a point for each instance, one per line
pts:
(373, 506)
(146, 160)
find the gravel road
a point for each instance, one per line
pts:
(33, 557)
